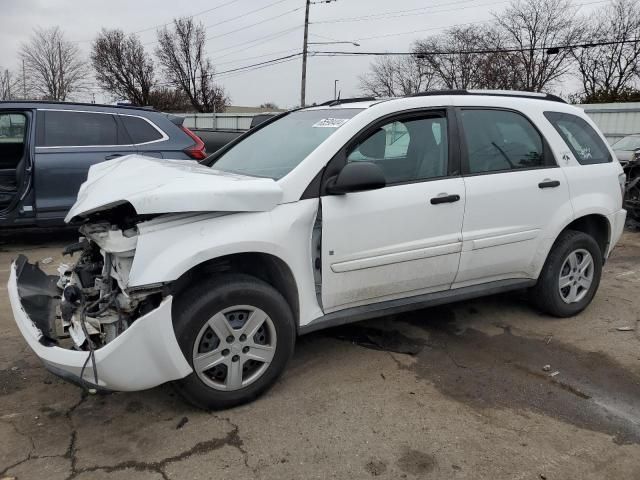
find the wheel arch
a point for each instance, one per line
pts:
(264, 266)
(596, 225)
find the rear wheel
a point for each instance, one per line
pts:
(238, 334)
(570, 276)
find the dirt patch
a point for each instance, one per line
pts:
(376, 467)
(586, 389)
(416, 462)
(11, 381)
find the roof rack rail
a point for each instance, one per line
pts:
(340, 101)
(494, 93)
(84, 104)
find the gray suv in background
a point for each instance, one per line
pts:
(46, 149)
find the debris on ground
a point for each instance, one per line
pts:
(183, 421)
(554, 373)
(46, 261)
(546, 368)
(625, 329)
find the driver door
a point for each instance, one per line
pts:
(404, 239)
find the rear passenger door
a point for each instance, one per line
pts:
(68, 142)
(515, 194)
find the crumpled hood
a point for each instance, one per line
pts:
(154, 185)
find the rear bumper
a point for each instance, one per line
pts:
(145, 355)
(616, 221)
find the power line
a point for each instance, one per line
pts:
(243, 15)
(231, 75)
(550, 49)
(266, 62)
(372, 37)
(254, 24)
(256, 56)
(189, 16)
(263, 39)
(404, 13)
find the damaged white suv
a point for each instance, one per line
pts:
(204, 274)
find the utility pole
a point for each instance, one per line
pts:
(335, 89)
(61, 95)
(303, 87)
(24, 83)
(305, 44)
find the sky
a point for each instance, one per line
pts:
(245, 32)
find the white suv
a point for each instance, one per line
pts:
(205, 274)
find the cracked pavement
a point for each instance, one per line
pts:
(449, 392)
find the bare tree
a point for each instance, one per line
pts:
(607, 71)
(9, 85)
(271, 105)
(184, 61)
(53, 65)
(122, 66)
(393, 77)
(452, 57)
(536, 27)
(168, 99)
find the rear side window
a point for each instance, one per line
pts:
(77, 129)
(500, 140)
(140, 130)
(584, 142)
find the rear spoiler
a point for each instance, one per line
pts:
(175, 119)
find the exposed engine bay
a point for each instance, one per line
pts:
(95, 305)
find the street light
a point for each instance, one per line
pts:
(355, 44)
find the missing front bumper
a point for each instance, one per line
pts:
(144, 356)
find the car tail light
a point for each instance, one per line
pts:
(198, 150)
(622, 180)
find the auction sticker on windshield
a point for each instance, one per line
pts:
(330, 122)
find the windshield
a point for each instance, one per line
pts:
(627, 143)
(276, 149)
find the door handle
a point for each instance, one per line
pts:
(111, 157)
(445, 199)
(549, 183)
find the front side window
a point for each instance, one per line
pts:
(277, 148)
(406, 150)
(499, 140)
(585, 143)
(76, 129)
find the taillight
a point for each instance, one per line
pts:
(198, 150)
(622, 180)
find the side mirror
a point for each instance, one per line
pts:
(357, 177)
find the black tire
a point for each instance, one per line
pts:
(545, 295)
(197, 305)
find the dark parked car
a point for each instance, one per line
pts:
(46, 149)
(627, 150)
(215, 139)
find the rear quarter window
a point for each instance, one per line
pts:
(140, 130)
(583, 141)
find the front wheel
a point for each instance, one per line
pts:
(570, 276)
(238, 334)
